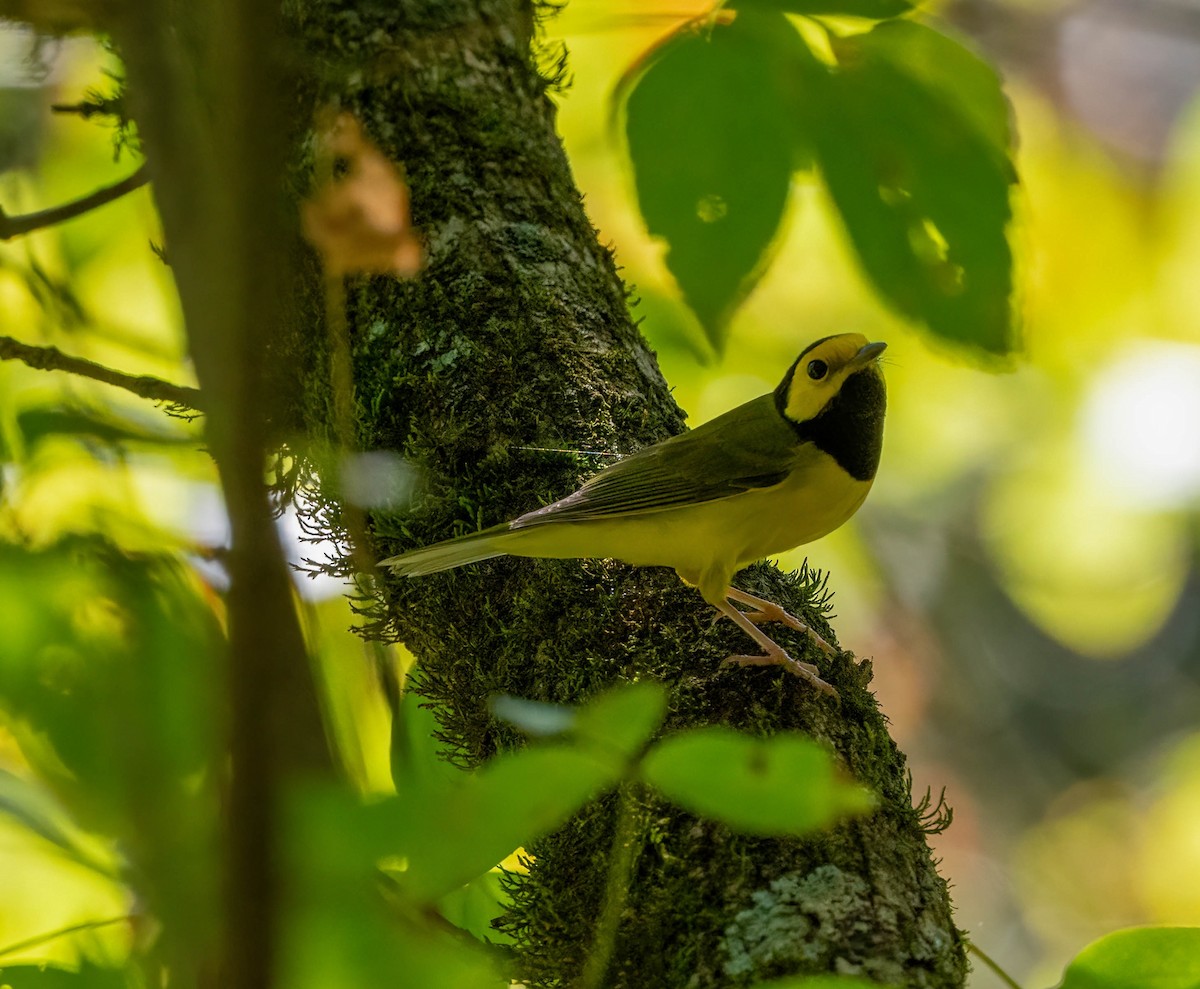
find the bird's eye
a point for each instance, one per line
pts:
(817, 370)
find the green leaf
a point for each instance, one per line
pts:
(707, 126)
(415, 750)
(101, 428)
(921, 182)
(535, 718)
(874, 9)
(51, 977)
(437, 834)
(621, 720)
(1139, 958)
(818, 982)
(109, 680)
(945, 66)
(350, 935)
(786, 784)
(32, 805)
(474, 906)
(453, 834)
(618, 721)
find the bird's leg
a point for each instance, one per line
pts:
(767, 611)
(775, 654)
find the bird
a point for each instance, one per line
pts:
(774, 473)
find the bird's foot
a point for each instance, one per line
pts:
(769, 613)
(805, 671)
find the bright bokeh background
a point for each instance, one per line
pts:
(1024, 574)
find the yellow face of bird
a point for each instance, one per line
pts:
(819, 371)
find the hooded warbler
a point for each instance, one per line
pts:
(781, 470)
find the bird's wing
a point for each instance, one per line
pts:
(748, 447)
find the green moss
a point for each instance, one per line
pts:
(517, 335)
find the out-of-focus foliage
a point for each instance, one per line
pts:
(1024, 574)
(908, 129)
(818, 982)
(1025, 570)
(782, 785)
(1145, 958)
(710, 123)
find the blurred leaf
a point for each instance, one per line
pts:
(50, 977)
(99, 427)
(22, 123)
(818, 982)
(922, 184)
(946, 66)
(1138, 958)
(437, 834)
(416, 753)
(109, 665)
(618, 721)
(536, 718)
(782, 785)
(37, 810)
(623, 718)
(474, 906)
(708, 137)
(108, 679)
(451, 835)
(347, 934)
(875, 9)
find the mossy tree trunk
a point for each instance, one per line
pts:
(517, 334)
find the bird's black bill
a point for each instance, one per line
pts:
(868, 353)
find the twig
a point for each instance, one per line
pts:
(94, 106)
(1002, 975)
(15, 226)
(53, 359)
(620, 872)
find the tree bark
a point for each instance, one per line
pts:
(517, 334)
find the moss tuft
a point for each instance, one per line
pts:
(517, 335)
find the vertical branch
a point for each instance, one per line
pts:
(616, 892)
(216, 161)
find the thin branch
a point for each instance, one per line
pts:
(94, 106)
(15, 226)
(616, 895)
(1002, 975)
(53, 359)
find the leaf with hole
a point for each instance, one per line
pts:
(708, 130)
(922, 184)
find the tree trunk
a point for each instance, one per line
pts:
(517, 334)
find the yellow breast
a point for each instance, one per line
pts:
(707, 543)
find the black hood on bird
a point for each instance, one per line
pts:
(850, 427)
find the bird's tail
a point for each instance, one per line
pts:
(451, 553)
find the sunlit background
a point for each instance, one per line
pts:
(1024, 573)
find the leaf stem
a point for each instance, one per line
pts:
(1002, 975)
(620, 872)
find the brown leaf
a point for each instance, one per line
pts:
(359, 220)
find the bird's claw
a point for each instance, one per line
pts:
(805, 671)
(775, 614)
